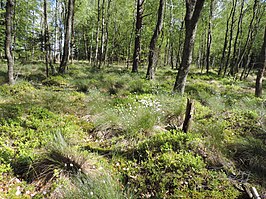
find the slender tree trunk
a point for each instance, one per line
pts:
(193, 10)
(225, 42)
(253, 32)
(55, 32)
(14, 28)
(102, 35)
(166, 53)
(209, 38)
(171, 25)
(91, 45)
(249, 35)
(157, 30)
(61, 28)
(85, 43)
(45, 38)
(72, 41)
(139, 17)
(261, 69)
(159, 51)
(33, 33)
(67, 38)
(97, 34)
(233, 68)
(230, 38)
(47, 46)
(114, 41)
(202, 44)
(130, 42)
(8, 41)
(105, 53)
(180, 41)
(60, 43)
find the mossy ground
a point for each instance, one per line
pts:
(131, 127)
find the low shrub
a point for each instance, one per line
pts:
(55, 81)
(167, 166)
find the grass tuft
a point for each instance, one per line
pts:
(60, 156)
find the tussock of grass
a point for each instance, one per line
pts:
(250, 154)
(61, 157)
(99, 186)
(83, 178)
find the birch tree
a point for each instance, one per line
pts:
(67, 38)
(261, 69)
(193, 10)
(8, 41)
(157, 30)
(139, 17)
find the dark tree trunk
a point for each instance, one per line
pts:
(233, 68)
(230, 38)
(67, 38)
(8, 41)
(47, 46)
(249, 35)
(102, 35)
(209, 38)
(139, 17)
(188, 116)
(193, 9)
(97, 34)
(225, 42)
(262, 67)
(253, 32)
(157, 30)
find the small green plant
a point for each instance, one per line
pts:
(167, 166)
(98, 185)
(55, 81)
(82, 85)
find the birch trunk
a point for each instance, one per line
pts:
(157, 31)
(193, 10)
(8, 41)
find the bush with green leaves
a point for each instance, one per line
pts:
(168, 166)
(56, 81)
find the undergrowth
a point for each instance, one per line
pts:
(130, 128)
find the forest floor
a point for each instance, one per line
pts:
(112, 134)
